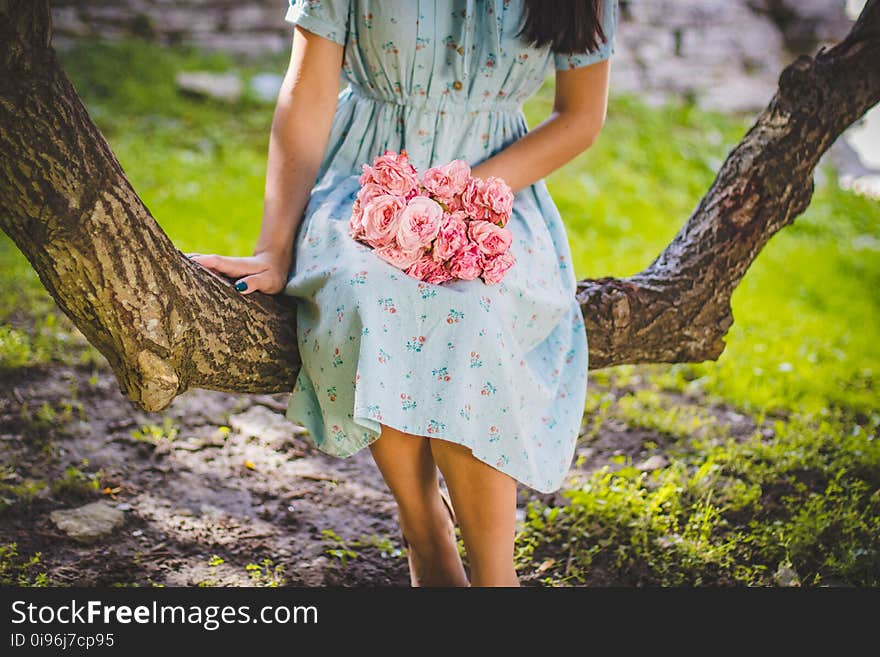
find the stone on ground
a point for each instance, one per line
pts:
(88, 523)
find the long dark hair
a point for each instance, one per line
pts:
(568, 26)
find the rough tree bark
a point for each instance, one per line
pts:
(165, 324)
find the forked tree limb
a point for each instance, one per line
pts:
(166, 324)
(678, 308)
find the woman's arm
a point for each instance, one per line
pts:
(300, 130)
(574, 124)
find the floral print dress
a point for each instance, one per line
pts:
(500, 368)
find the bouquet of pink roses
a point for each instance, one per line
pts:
(447, 225)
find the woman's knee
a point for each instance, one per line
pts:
(405, 462)
(484, 497)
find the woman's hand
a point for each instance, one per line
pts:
(264, 271)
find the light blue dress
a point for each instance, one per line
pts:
(502, 368)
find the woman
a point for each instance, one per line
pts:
(485, 382)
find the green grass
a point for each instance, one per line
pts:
(803, 342)
(723, 512)
(18, 570)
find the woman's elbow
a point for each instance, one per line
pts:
(583, 130)
(591, 130)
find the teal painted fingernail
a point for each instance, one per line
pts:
(241, 286)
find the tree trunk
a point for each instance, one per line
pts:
(166, 324)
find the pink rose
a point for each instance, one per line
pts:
(400, 258)
(392, 171)
(439, 275)
(498, 200)
(447, 181)
(419, 222)
(491, 238)
(429, 270)
(489, 200)
(495, 267)
(380, 219)
(455, 205)
(467, 262)
(470, 198)
(365, 194)
(451, 237)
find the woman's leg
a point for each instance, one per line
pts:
(408, 468)
(485, 503)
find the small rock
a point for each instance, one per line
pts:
(314, 573)
(124, 506)
(655, 462)
(220, 86)
(273, 429)
(90, 522)
(785, 575)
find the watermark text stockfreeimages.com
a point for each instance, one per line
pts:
(210, 617)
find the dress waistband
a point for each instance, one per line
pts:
(446, 103)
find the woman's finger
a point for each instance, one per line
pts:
(248, 284)
(264, 282)
(233, 267)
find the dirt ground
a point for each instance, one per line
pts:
(236, 485)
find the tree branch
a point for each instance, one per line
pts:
(678, 309)
(165, 324)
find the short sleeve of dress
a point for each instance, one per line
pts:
(326, 18)
(602, 51)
